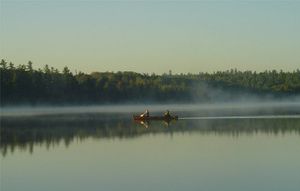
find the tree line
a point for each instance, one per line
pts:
(23, 84)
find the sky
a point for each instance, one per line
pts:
(152, 36)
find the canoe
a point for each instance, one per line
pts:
(139, 118)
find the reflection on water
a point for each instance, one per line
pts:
(26, 132)
(228, 149)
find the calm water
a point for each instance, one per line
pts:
(101, 148)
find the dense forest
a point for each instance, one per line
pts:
(23, 84)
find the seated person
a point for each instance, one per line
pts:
(145, 114)
(167, 114)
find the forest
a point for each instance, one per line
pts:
(23, 84)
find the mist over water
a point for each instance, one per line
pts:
(210, 147)
(206, 109)
(23, 126)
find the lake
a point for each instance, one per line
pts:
(228, 147)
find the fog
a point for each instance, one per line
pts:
(251, 108)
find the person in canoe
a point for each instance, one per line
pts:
(167, 114)
(145, 114)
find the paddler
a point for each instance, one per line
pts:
(145, 114)
(167, 114)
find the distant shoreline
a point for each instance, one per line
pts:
(23, 85)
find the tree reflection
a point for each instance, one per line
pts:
(26, 132)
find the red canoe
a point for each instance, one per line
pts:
(165, 118)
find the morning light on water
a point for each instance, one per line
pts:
(150, 95)
(209, 147)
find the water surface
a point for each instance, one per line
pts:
(208, 148)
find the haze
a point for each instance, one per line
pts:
(152, 36)
(204, 109)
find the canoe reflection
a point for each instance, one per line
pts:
(148, 124)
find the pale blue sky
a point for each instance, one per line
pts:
(152, 36)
